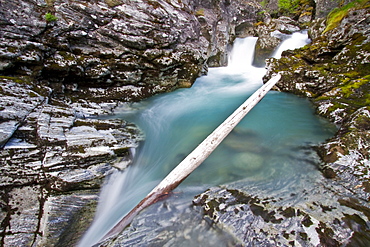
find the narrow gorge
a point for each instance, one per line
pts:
(88, 88)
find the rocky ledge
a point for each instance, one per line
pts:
(128, 50)
(54, 158)
(334, 72)
(63, 63)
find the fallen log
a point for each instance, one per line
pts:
(195, 158)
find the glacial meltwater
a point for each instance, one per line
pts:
(270, 150)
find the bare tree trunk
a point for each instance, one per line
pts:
(196, 157)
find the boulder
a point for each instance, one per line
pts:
(270, 35)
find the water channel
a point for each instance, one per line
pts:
(265, 150)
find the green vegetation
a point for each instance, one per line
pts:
(264, 3)
(288, 5)
(50, 17)
(337, 14)
(295, 8)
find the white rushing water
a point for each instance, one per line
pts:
(175, 123)
(297, 40)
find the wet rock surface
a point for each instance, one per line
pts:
(50, 149)
(334, 72)
(126, 50)
(63, 63)
(221, 21)
(270, 35)
(318, 218)
(174, 222)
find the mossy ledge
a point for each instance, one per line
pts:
(333, 71)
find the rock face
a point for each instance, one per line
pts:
(334, 72)
(270, 35)
(323, 7)
(149, 44)
(320, 7)
(259, 218)
(62, 63)
(223, 20)
(49, 150)
(128, 49)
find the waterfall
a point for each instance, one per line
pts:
(296, 40)
(241, 61)
(176, 122)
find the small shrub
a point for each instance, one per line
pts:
(50, 17)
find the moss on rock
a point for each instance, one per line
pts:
(334, 72)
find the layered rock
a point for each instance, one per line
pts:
(312, 217)
(148, 44)
(128, 49)
(65, 62)
(49, 150)
(334, 72)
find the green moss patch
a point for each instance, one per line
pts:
(50, 17)
(336, 15)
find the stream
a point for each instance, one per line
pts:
(267, 150)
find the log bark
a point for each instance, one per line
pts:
(196, 157)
